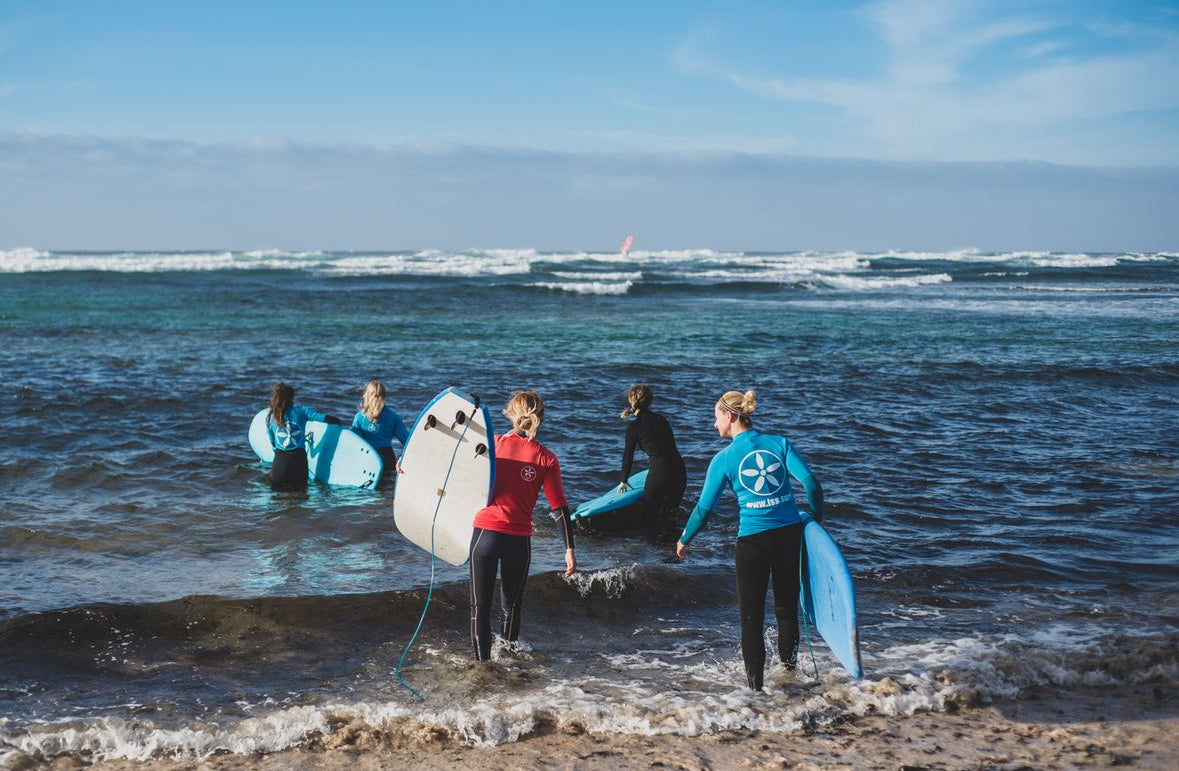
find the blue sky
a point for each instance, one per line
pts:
(406, 125)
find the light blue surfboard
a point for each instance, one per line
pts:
(335, 455)
(613, 500)
(828, 597)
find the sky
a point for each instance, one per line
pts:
(910, 124)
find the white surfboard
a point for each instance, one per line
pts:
(335, 455)
(448, 471)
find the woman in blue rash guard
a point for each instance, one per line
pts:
(755, 467)
(379, 425)
(286, 426)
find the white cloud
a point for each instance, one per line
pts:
(95, 193)
(928, 100)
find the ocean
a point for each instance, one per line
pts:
(997, 435)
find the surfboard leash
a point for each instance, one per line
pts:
(805, 626)
(433, 560)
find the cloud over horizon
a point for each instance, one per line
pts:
(65, 192)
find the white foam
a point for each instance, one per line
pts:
(268, 253)
(634, 276)
(688, 264)
(613, 581)
(627, 693)
(586, 287)
(859, 283)
(432, 264)
(29, 261)
(1073, 261)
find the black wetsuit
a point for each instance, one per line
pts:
(289, 471)
(770, 553)
(510, 555)
(667, 477)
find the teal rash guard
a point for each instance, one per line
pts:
(380, 434)
(290, 436)
(755, 467)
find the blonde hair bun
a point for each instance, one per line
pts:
(526, 411)
(740, 404)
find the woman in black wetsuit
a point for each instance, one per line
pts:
(666, 475)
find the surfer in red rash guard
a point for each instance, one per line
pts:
(502, 539)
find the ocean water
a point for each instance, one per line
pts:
(997, 435)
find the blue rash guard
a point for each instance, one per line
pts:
(380, 434)
(754, 466)
(290, 436)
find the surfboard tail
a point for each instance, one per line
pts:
(828, 597)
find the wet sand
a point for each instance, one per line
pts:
(1130, 726)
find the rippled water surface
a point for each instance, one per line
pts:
(996, 434)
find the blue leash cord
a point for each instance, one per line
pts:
(433, 562)
(805, 626)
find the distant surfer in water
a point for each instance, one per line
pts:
(757, 467)
(285, 425)
(666, 474)
(380, 425)
(502, 539)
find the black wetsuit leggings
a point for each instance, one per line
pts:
(289, 470)
(760, 556)
(511, 555)
(667, 479)
(388, 466)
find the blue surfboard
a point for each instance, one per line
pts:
(827, 596)
(613, 500)
(335, 455)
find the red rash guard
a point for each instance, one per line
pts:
(522, 467)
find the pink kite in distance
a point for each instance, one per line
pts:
(626, 245)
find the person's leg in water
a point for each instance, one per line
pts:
(753, 578)
(662, 494)
(516, 558)
(388, 467)
(289, 470)
(785, 581)
(484, 561)
(669, 511)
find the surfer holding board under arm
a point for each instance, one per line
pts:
(757, 467)
(286, 425)
(502, 538)
(380, 424)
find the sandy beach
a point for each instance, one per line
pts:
(1132, 726)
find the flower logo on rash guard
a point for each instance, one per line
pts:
(528, 473)
(762, 473)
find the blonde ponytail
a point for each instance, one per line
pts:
(740, 404)
(374, 400)
(526, 411)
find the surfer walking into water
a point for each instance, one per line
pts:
(502, 538)
(380, 424)
(286, 425)
(667, 477)
(757, 467)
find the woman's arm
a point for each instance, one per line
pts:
(814, 491)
